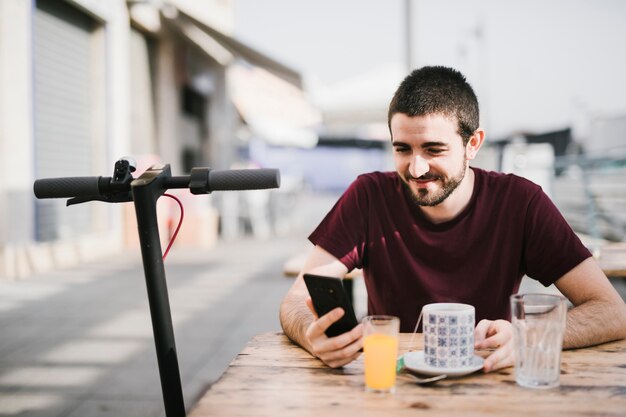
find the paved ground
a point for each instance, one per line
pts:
(78, 342)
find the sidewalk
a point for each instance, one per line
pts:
(79, 342)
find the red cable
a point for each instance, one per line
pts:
(180, 222)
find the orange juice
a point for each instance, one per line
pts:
(381, 352)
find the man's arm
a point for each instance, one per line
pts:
(599, 313)
(301, 325)
(598, 316)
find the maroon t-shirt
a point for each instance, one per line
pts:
(508, 229)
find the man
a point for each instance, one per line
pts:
(436, 230)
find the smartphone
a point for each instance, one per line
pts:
(328, 293)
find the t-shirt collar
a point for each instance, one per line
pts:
(425, 222)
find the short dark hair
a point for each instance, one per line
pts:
(437, 89)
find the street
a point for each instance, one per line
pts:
(78, 342)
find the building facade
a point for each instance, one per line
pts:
(85, 82)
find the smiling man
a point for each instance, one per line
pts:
(437, 230)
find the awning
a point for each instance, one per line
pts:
(275, 110)
(360, 100)
(267, 94)
(223, 48)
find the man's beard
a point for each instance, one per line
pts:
(424, 197)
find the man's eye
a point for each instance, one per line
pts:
(402, 150)
(435, 151)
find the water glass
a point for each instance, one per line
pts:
(539, 324)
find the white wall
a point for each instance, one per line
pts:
(20, 255)
(16, 164)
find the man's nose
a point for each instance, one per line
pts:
(419, 166)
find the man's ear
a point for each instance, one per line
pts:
(474, 144)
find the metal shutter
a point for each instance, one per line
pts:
(63, 80)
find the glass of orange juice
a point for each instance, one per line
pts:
(380, 347)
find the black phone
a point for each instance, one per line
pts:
(328, 293)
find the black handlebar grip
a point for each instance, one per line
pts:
(244, 179)
(68, 187)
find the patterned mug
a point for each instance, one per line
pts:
(448, 335)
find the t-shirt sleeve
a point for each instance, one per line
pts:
(551, 248)
(342, 232)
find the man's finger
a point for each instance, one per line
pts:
(497, 333)
(309, 304)
(335, 345)
(501, 358)
(323, 323)
(480, 332)
(343, 349)
(495, 341)
(343, 361)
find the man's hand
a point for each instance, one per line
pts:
(334, 351)
(496, 335)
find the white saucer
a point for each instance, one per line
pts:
(415, 362)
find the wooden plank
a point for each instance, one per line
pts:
(612, 259)
(273, 377)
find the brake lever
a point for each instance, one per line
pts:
(122, 177)
(116, 198)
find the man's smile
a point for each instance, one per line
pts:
(424, 179)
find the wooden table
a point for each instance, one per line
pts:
(611, 256)
(273, 377)
(612, 259)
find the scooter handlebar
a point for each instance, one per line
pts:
(218, 180)
(243, 179)
(69, 187)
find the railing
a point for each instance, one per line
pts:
(591, 194)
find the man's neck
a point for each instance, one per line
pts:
(454, 204)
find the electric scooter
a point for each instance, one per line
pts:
(144, 191)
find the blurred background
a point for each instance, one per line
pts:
(302, 86)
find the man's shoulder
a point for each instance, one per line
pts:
(377, 178)
(495, 181)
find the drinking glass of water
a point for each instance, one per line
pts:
(539, 324)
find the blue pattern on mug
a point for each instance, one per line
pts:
(449, 338)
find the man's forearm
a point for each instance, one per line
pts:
(295, 318)
(595, 322)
